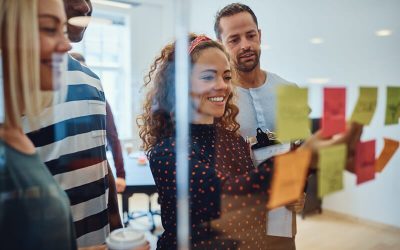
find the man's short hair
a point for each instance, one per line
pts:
(230, 10)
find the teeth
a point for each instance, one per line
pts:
(216, 99)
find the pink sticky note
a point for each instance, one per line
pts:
(365, 161)
(334, 118)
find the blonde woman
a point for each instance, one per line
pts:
(34, 210)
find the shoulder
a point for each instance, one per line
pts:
(164, 147)
(274, 79)
(74, 65)
(82, 83)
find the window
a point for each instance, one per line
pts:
(106, 47)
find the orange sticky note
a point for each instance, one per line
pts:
(365, 161)
(388, 151)
(289, 177)
(334, 119)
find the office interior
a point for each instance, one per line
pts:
(314, 44)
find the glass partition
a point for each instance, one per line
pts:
(199, 124)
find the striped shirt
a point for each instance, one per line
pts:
(71, 142)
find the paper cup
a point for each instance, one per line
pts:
(125, 239)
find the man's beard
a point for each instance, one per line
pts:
(244, 67)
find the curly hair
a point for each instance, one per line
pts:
(158, 118)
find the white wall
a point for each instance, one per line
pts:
(152, 23)
(350, 56)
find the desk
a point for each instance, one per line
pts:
(138, 179)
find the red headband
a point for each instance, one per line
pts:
(197, 41)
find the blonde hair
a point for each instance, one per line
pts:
(19, 46)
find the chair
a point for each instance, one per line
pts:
(149, 210)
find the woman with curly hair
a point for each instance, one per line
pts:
(223, 180)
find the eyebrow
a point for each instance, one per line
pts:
(233, 36)
(209, 70)
(214, 71)
(237, 35)
(55, 18)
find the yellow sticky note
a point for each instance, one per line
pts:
(292, 121)
(366, 105)
(392, 105)
(388, 151)
(290, 172)
(331, 163)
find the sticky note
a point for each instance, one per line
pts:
(388, 151)
(292, 121)
(365, 161)
(331, 163)
(366, 105)
(392, 105)
(290, 172)
(334, 116)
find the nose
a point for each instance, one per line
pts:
(220, 84)
(244, 45)
(64, 45)
(82, 7)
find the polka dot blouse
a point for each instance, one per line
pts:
(227, 193)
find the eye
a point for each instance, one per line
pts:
(251, 36)
(233, 41)
(207, 77)
(48, 30)
(227, 78)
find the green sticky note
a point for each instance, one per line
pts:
(366, 105)
(292, 120)
(331, 163)
(392, 105)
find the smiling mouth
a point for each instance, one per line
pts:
(216, 99)
(247, 55)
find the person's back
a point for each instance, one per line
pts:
(35, 211)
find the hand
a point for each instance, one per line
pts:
(120, 184)
(350, 137)
(145, 247)
(298, 205)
